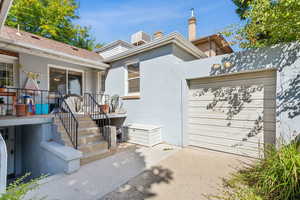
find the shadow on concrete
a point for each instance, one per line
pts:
(140, 186)
(228, 183)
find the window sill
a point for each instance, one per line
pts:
(131, 97)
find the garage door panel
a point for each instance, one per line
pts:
(224, 123)
(225, 104)
(244, 116)
(227, 136)
(269, 81)
(233, 115)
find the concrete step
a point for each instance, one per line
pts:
(84, 139)
(82, 131)
(93, 156)
(93, 146)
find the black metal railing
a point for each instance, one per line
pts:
(33, 102)
(68, 120)
(95, 110)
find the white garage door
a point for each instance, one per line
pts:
(233, 113)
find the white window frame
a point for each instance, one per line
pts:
(67, 69)
(128, 79)
(10, 60)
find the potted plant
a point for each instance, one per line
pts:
(105, 107)
(2, 86)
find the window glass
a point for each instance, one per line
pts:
(133, 78)
(74, 82)
(6, 74)
(58, 79)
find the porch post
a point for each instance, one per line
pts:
(3, 165)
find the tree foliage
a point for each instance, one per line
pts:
(242, 7)
(52, 19)
(268, 22)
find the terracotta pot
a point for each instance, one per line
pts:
(21, 110)
(105, 108)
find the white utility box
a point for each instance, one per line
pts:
(147, 135)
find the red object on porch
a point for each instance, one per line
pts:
(21, 110)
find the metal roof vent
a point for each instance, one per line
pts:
(140, 38)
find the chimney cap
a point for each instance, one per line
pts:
(158, 34)
(192, 12)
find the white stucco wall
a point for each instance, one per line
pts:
(164, 86)
(160, 96)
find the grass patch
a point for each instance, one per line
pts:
(277, 177)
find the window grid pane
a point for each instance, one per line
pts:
(6, 74)
(133, 78)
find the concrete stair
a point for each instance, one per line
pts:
(90, 139)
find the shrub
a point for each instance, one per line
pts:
(277, 177)
(19, 188)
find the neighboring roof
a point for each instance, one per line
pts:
(219, 39)
(175, 38)
(45, 45)
(113, 44)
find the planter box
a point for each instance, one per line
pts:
(146, 135)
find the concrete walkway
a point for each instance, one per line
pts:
(189, 174)
(96, 179)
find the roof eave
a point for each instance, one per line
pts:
(113, 44)
(175, 38)
(31, 49)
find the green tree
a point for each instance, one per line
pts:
(242, 7)
(268, 22)
(52, 19)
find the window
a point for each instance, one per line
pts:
(65, 81)
(6, 74)
(133, 79)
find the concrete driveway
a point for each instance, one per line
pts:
(187, 174)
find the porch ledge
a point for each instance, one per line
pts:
(64, 152)
(27, 120)
(66, 159)
(131, 97)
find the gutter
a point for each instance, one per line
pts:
(48, 53)
(175, 38)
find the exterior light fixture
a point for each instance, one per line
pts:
(227, 64)
(216, 66)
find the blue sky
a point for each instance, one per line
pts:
(118, 19)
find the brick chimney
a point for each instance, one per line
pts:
(158, 35)
(192, 26)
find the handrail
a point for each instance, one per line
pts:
(68, 120)
(95, 111)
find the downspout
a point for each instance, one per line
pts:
(209, 46)
(181, 113)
